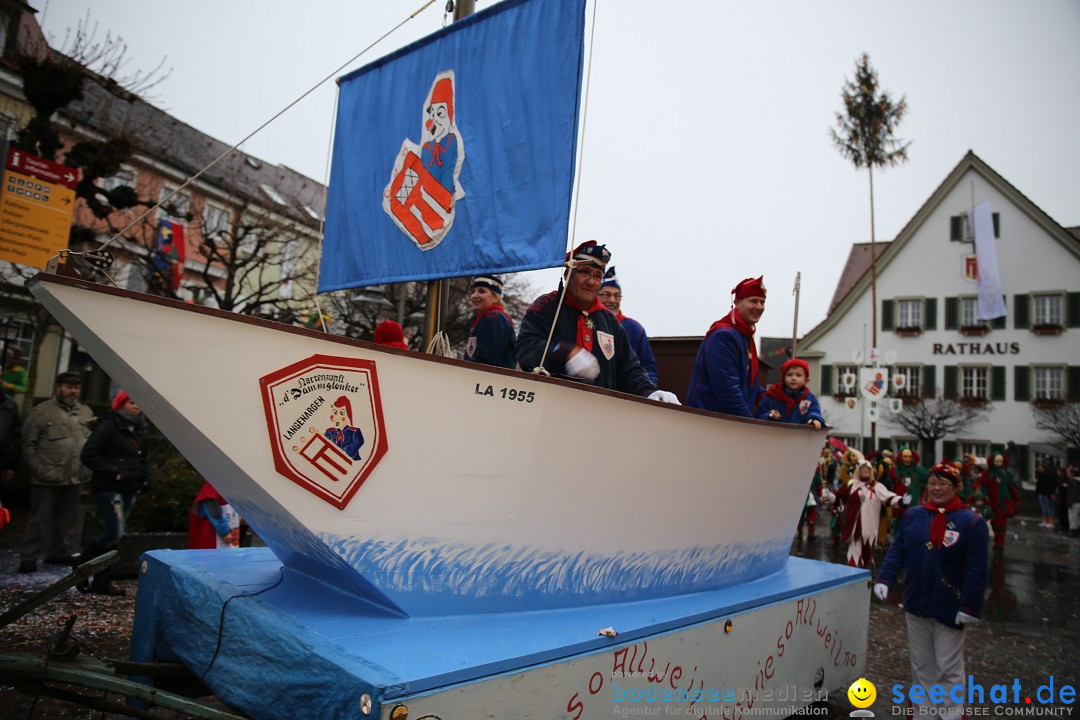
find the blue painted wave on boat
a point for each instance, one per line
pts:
(429, 576)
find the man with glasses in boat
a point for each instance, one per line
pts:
(725, 370)
(611, 297)
(588, 344)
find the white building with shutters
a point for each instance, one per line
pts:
(929, 332)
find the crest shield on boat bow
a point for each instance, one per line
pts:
(326, 427)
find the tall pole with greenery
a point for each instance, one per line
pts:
(865, 135)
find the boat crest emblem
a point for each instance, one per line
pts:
(324, 416)
(424, 184)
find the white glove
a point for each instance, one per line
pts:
(583, 364)
(907, 499)
(962, 618)
(881, 591)
(664, 396)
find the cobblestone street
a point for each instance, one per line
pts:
(1030, 629)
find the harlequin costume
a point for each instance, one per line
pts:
(813, 499)
(943, 554)
(1000, 486)
(863, 501)
(635, 333)
(491, 339)
(884, 474)
(910, 480)
(725, 372)
(844, 475)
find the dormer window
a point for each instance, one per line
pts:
(273, 194)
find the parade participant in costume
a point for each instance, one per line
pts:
(910, 480)
(726, 367)
(980, 505)
(848, 463)
(885, 474)
(818, 491)
(115, 452)
(491, 340)
(588, 344)
(791, 401)
(1001, 487)
(1045, 486)
(212, 522)
(942, 550)
(611, 297)
(390, 334)
(863, 499)
(971, 470)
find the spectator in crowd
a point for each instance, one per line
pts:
(491, 339)
(52, 441)
(791, 401)
(1061, 498)
(1045, 484)
(15, 374)
(725, 372)
(1001, 487)
(863, 499)
(611, 296)
(390, 334)
(587, 344)
(116, 456)
(212, 521)
(10, 441)
(942, 550)
(1072, 477)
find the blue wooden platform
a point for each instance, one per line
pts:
(302, 643)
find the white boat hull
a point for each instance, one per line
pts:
(479, 502)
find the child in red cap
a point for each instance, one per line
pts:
(790, 400)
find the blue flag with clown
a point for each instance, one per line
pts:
(454, 156)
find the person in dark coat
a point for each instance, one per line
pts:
(115, 452)
(491, 339)
(588, 344)
(725, 372)
(942, 548)
(611, 296)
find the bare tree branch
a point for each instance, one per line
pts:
(1062, 421)
(932, 420)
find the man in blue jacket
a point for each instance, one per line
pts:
(942, 548)
(611, 297)
(725, 370)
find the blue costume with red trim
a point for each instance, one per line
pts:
(639, 340)
(940, 580)
(622, 371)
(798, 408)
(725, 370)
(493, 331)
(348, 439)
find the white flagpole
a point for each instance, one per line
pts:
(795, 327)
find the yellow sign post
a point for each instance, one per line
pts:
(37, 201)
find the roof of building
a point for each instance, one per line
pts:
(159, 136)
(858, 264)
(855, 278)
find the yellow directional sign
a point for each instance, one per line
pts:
(35, 214)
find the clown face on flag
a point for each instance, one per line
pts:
(454, 156)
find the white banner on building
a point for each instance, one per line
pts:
(991, 300)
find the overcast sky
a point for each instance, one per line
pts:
(707, 156)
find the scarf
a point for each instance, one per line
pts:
(777, 391)
(497, 307)
(585, 326)
(734, 320)
(937, 525)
